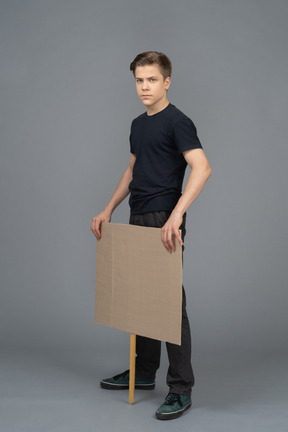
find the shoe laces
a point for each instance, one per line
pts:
(121, 375)
(172, 398)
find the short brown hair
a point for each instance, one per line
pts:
(152, 57)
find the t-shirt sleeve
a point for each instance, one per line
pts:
(131, 148)
(130, 140)
(185, 135)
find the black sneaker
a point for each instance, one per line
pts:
(174, 406)
(121, 382)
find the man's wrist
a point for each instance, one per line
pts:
(109, 210)
(178, 212)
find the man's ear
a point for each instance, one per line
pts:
(167, 82)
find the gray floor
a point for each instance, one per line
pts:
(59, 391)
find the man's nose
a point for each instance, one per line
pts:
(145, 85)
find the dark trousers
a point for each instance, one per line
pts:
(180, 377)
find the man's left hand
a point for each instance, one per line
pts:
(171, 228)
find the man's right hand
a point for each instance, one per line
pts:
(96, 223)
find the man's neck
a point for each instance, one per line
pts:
(157, 108)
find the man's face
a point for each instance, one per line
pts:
(151, 86)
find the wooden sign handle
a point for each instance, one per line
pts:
(132, 367)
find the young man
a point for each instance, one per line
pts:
(163, 141)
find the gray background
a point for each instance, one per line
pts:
(67, 101)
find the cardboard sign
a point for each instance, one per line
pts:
(138, 282)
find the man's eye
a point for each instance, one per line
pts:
(139, 81)
(153, 80)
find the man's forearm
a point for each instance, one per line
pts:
(118, 196)
(194, 186)
(121, 192)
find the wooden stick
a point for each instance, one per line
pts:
(132, 368)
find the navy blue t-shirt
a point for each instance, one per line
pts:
(158, 142)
